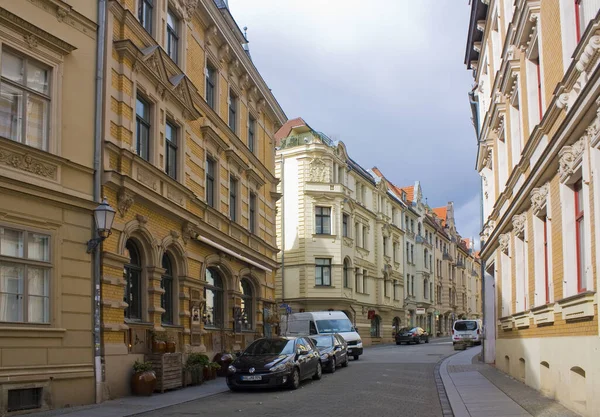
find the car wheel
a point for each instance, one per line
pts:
(398, 343)
(345, 363)
(295, 379)
(319, 372)
(418, 341)
(356, 357)
(332, 365)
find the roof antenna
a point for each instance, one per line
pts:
(246, 32)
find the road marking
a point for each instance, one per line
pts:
(442, 343)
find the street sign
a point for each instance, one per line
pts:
(420, 311)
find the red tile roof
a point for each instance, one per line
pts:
(467, 242)
(441, 212)
(284, 131)
(410, 192)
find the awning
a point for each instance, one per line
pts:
(232, 253)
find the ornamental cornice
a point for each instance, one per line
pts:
(539, 198)
(66, 14)
(570, 157)
(527, 17)
(28, 163)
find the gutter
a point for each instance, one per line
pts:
(99, 373)
(282, 230)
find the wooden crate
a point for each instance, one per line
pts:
(168, 369)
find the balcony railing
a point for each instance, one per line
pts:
(460, 263)
(305, 139)
(448, 257)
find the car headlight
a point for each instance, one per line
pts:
(325, 356)
(280, 367)
(232, 369)
(359, 343)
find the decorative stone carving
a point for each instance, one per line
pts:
(487, 230)
(188, 7)
(487, 159)
(147, 179)
(28, 163)
(318, 170)
(539, 197)
(563, 101)
(260, 105)
(224, 53)
(588, 53)
(518, 222)
(124, 201)
(176, 196)
(211, 34)
(187, 232)
(31, 40)
(504, 242)
(62, 13)
(570, 157)
(174, 234)
(141, 219)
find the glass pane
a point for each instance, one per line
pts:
(11, 290)
(38, 247)
(170, 133)
(326, 276)
(11, 112)
(172, 21)
(37, 281)
(11, 243)
(37, 122)
(141, 109)
(12, 67)
(38, 309)
(37, 77)
(581, 243)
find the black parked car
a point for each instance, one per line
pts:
(333, 350)
(272, 362)
(411, 335)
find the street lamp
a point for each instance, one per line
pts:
(104, 215)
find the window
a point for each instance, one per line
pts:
(171, 150)
(346, 273)
(412, 285)
(323, 220)
(322, 272)
(24, 276)
(407, 252)
(536, 63)
(172, 35)
(357, 280)
(213, 294)
(357, 234)
(252, 208)
(364, 281)
(233, 186)
(412, 253)
(395, 289)
(425, 289)
(24, 399)
(364, 237)
(419, 229)
(580, 236)
(133, 282)
(247, 304)
(145, 14)
(375, 327)
(345, 220)
(142, 128)
(580, 22)
(251, 127)
(211, 83)
(166, 283)
(233, 105)
(412, 225)
(210, 182)
(385, 245)
(24, 100)
(395, 249)
(546, 270)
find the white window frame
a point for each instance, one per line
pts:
(541, 213)
(506, 293)
(521, 269)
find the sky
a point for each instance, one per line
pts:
(386, 77)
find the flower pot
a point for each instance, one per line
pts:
(171, 347)
(159, 347)
(143, 383)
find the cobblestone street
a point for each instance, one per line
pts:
(387, 380)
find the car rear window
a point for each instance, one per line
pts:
(465, 325)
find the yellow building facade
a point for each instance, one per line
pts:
(535, 106)
(47, 50)
(188, 162)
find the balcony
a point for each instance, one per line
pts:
(460, 263)
(448, 257)
(306, 139)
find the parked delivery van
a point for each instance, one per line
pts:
(323, 322)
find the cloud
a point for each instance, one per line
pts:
(468, 219)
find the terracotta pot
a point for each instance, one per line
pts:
(143, 383)
(171, 347)
(159, 347)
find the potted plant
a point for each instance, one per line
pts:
(171, 345)
(159, 342)
(143, 380)
(223, 360)
(214, 367)
(195, 365)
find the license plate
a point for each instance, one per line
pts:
(251, 378)
(350, 350)
(466, 336)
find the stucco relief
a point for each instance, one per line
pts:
(28, 163)
(539, 197)
(518, 222)
(504, 242)
(570, 157)
(318, 171)
(124, 201)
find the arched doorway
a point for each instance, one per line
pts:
(395, 326)
(376, 326)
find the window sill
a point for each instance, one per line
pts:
(522, 320)
(35, 331)
(543, 314)
(506, 323)
(324, 235)
(578, 306)
(324, 286)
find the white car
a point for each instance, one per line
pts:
(463, 330)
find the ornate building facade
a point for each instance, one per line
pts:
(535, 110)
(189, 163)
(46, 200)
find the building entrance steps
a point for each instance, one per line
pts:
(130, 406)
(475, 389)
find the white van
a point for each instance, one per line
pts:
(467, 330)
(320, 322)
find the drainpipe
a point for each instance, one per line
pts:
(98, 348)
(282, 230)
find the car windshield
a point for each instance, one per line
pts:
(414, 329)
(404, 330)
(465, 325)
(323, 341)
(334, 326)
(270, 347)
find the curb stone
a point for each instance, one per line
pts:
(443, 396)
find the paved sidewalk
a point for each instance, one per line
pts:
(475, 389)
(130, 406)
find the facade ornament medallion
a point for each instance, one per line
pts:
(187, 232)
(539, 198)
(518, 222)
(570, 157)
(504, 242)
(318, 170)
(124, 201)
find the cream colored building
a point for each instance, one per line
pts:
(535, 106)
(189, 164)
(47, 51)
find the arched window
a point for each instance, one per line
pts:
(375, 326)
(213, 294)
(247, 304)
(346, 273)
(395, 325)
(132, 273)
(166, 283)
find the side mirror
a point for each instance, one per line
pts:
(338, 347)
(302, 352)
(238, 354)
